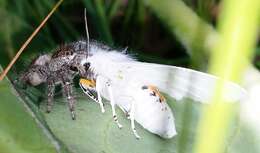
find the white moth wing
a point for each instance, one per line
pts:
(128, 78)
(154, 115)
(176, 81)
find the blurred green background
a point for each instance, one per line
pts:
(119, 23)
(174, 32)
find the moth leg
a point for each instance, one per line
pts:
(126, 112)
(127, 115)
(112, 102)
(88, 93)
(126, 109)
(98, 88)
(71, 101)
(132, 119)
(50, 90)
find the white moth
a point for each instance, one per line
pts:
(134, 87)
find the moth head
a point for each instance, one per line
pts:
(82, 65)
(37, 71)
(80, 62)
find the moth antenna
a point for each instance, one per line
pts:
(86, 28)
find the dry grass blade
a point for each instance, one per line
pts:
(29, 40)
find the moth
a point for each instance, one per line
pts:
(135, 87)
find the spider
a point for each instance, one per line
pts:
(59, 68)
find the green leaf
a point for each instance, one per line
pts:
(94, 132)
(20, 130)
(22, 127)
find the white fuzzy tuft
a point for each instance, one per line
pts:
(42, 60)
(101, 59)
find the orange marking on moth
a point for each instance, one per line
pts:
(89, 83)
(157, 92)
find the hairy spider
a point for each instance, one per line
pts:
(59, 68)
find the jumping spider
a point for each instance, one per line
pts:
(59, 68)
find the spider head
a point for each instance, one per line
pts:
(37, 72)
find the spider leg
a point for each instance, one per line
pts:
(50, 90)
(112, 102)
(67, 86)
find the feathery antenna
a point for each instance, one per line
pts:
(86, 28)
